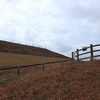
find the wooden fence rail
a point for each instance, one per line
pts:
(41, 64)
(76, 55)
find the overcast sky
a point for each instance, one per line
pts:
(59, 25)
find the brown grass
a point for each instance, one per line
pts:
(71, 81)
(11, 59)
(29, 50)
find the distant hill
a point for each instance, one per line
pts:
(25, 49)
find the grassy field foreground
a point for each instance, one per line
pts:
(71, 81)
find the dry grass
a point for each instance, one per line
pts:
(29, 50)
(11, 59)
(71, 81)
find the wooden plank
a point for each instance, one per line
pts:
(96, 45)
(82, 48)
(96, 50)
(97, 56)
(84, 53)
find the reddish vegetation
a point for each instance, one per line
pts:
(71, 81)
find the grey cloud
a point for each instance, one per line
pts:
(64, 47)
(79, 9)
(86, 12)
(60, 31)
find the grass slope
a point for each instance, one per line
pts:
(71, 81)
(11, 59)
(25, 49)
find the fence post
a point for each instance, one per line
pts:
(77, 54)
(72, 55)
(18, 71)
(91, 49)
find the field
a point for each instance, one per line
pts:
(14, 60)
(70, 80)
(11, 59)
(67, 81)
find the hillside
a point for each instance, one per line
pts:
(30, 50)
(71, 81)
(12, 59)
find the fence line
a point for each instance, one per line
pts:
(42, 64)
(77, 53)
(21, 42)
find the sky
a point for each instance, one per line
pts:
(58, 25)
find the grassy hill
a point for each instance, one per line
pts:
(13, 54)
(71, 81)
(29, 50)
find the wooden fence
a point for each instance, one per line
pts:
(18, 68)
(86, 50)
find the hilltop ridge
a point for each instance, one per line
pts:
(10, 47)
